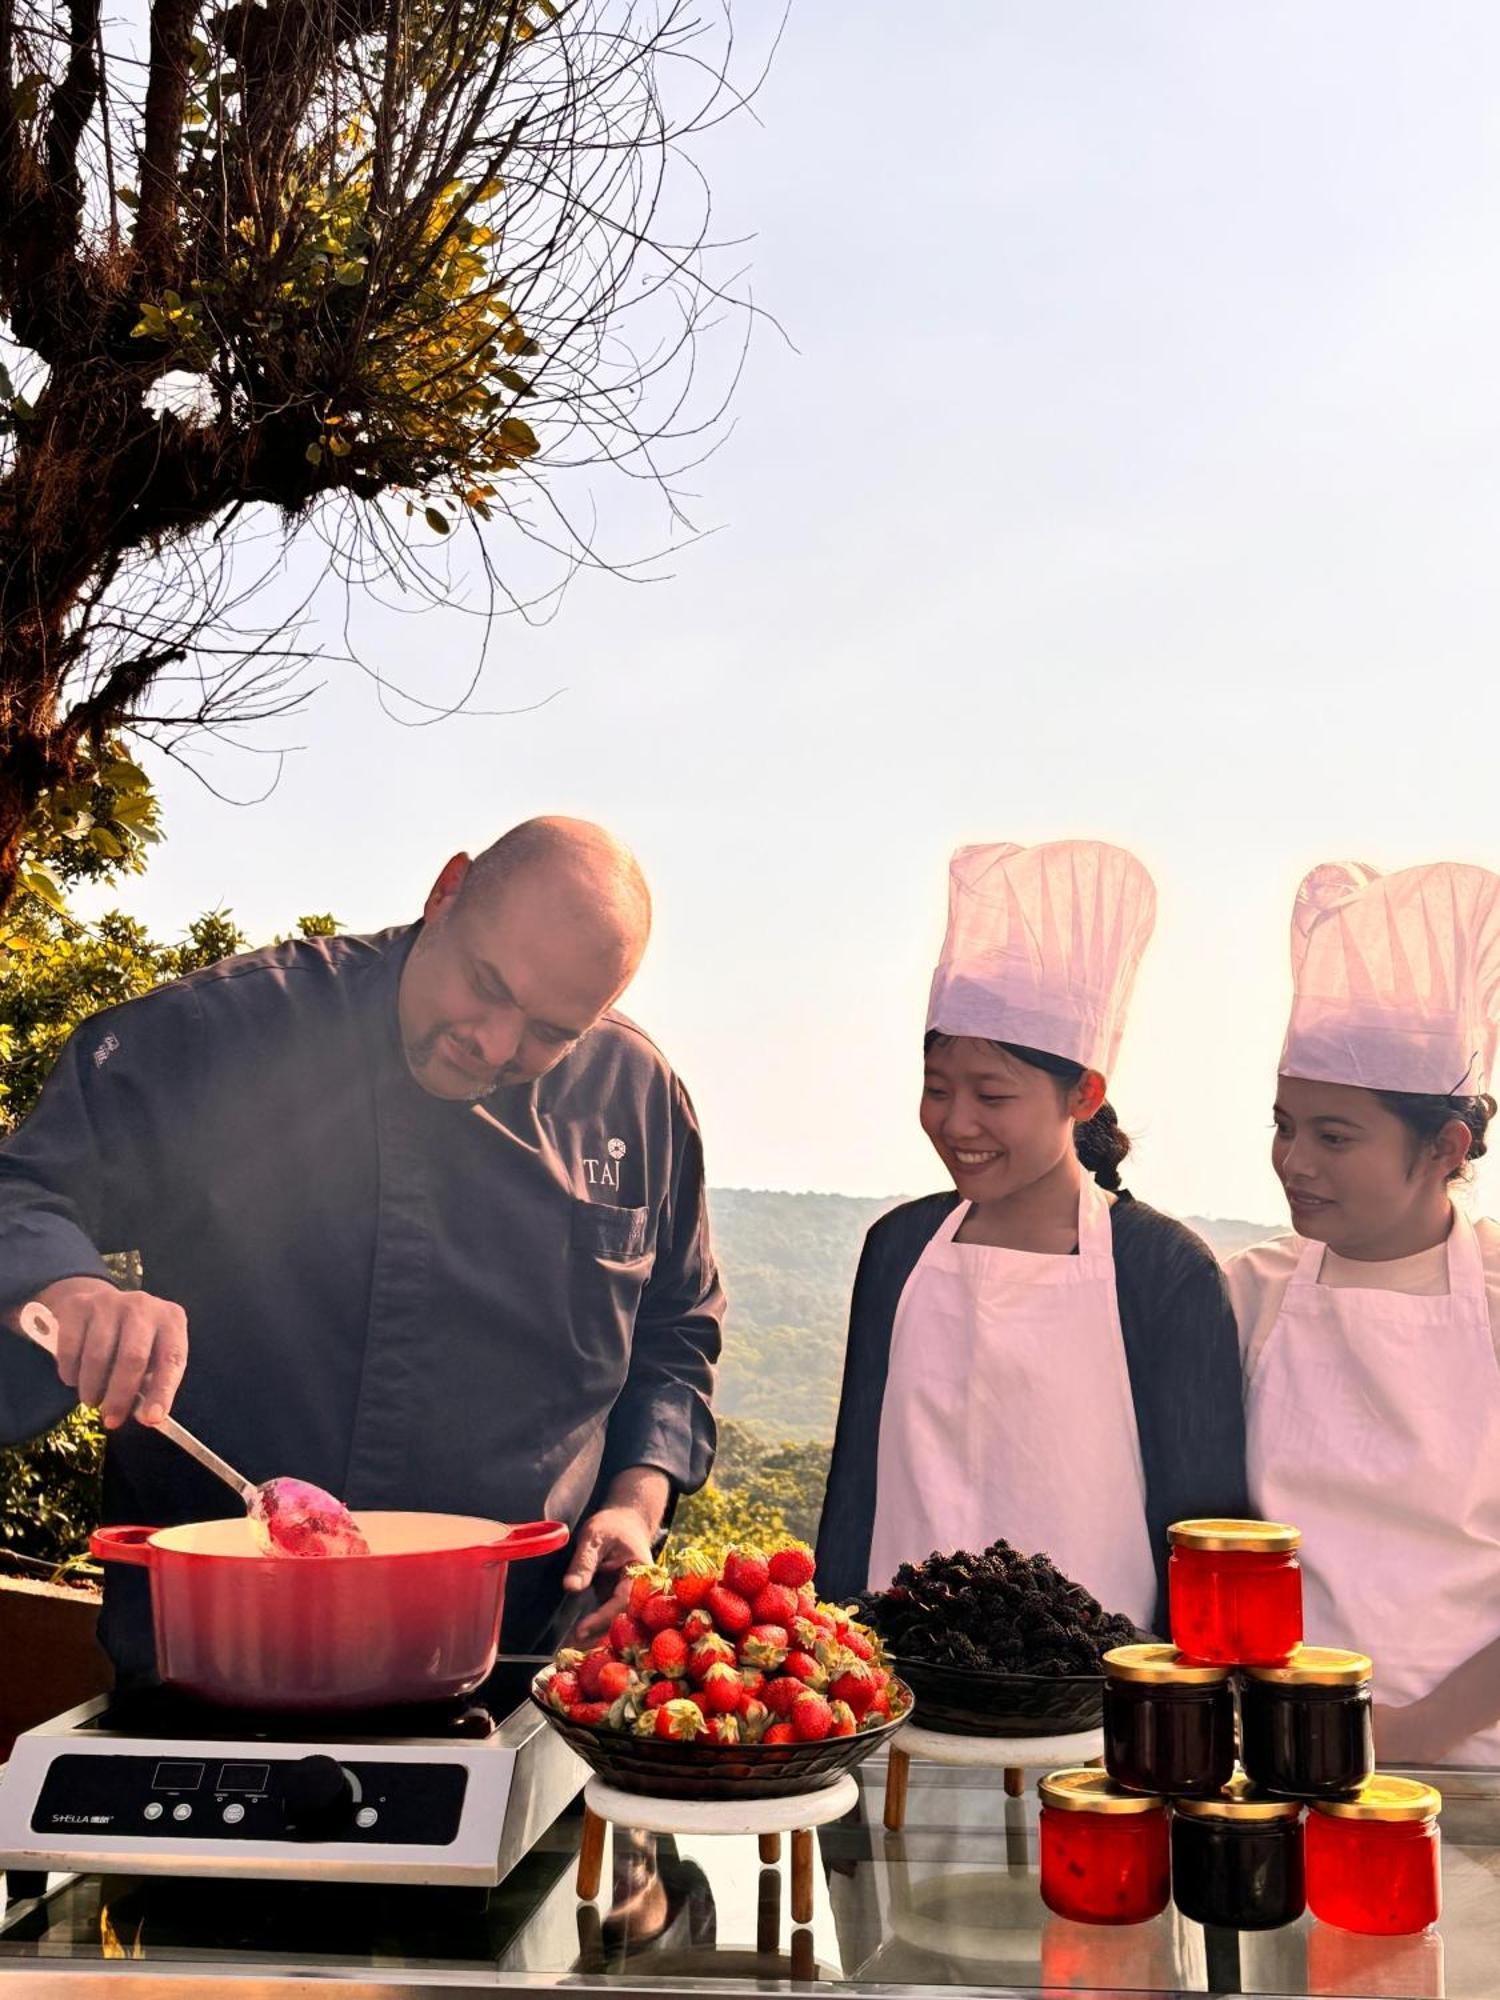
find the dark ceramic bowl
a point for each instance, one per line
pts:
(962, 1702)
(662, 1769)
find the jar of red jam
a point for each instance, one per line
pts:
(1305, 1727)
(1168, 1723)
(1234, 1589)
(1105, 1852)
(1372, 1861)
(1237, 1859)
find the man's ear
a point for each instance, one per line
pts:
(445, 889)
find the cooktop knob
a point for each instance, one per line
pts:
(317, 1795)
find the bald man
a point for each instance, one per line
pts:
(421, 1219)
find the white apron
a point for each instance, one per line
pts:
(1373, 1423)
(1008, 1413)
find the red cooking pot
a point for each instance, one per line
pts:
(417, 1619)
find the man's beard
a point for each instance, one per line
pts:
(420, 1055)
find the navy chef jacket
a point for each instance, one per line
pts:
(483, 1309)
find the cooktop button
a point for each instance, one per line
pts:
(155, 1809)
(233, 1815)
(183, 1811)
(366, 1816)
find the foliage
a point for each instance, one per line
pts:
(50, 1490)
(376, 265)
(760, 1489)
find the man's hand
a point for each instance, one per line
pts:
(117, 1348)
(620, 1533)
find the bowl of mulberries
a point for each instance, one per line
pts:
(725, 1678)
(996, 1644)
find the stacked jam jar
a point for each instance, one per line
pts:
(1214, 1745)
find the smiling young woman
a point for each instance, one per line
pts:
(1034, 1355)
(1370, 1344)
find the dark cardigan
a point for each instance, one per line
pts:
(1181, 1350)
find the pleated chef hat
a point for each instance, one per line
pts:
(1395, 978)
(1043, 946)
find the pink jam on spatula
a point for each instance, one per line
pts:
(291, 1517)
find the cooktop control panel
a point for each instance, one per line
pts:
(299, 1798)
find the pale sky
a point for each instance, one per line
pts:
(1134, 476)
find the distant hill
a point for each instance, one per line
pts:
(788, 1262)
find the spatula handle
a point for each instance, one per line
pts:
(40, 1327)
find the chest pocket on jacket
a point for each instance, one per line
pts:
(609, 1235)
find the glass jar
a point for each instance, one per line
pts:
(1168, 1724)
(1104, 1851)
(1234, 1590)
(1372, 1861)
(1305, 1727)
(1237, 1859)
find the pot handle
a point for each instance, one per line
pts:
(122, 1545)
(533, 1538)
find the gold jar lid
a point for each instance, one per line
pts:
(1085, 1788)
(1265, 1538)
(1239, 1801)
(1161, 1666)
(1317, 1666)
(1386, 1798)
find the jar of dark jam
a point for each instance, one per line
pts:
(1305, 1727)
(1104, 1852)
(1372, 1861)
(1168, 1723)
(1237, 1859)
(1234, 1591)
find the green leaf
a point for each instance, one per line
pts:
(27, 94)
(127, 197)
(37, 882)
(436, 521)
(314, 454)
(123, 776)
(352, 273)
(516, 435)
(104, 842)
(516, 382)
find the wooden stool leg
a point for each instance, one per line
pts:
(896, 1773)
(1015, 1782)
(770, 1849)
(804, 1965)
(802, 1876)
(768, 1914)
(590, 1856)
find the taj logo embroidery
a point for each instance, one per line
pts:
(606, 1173)
(105, 1050)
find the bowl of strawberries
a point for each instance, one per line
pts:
(725, 1679)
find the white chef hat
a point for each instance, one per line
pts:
(1043, 946)
(1395, 978)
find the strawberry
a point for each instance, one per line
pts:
(592, 1665)
(563, 1690)
(780, 1732)
(697, 1625)
(754, 1719)
(812, 1718)
(723, 1729)
(612, 1680)
(642, 1583)
(746, 1574)
(691, 1590)
(731, 1612)
(858, 1642)
(764, 1646)
(804, 1667)
(721, 1689)
(775, 1605)
(680, 1721)
(782, 1692)
(855, 1685)
(700, 1701)
(626, 1636)
(844, 1722)
(590, 1713)
(793, 1567)
(880, 1705)
(753, 1681)
(669, 1654)
(660, 1692)
(710, 1652)
(661, 1612)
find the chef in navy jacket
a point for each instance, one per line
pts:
(421, 1219)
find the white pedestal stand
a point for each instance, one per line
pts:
(1014, 1755)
